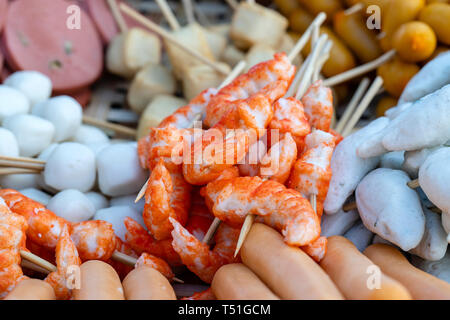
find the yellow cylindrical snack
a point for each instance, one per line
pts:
(362, 41)
(330, 7)
(287, 6)
(414, 41)
(385, 104)
(397, 13)
(396, 75)
(437, 16)
(300, 19)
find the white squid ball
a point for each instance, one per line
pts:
(33, 134)
(97, 147)
(119, 171)
(116, 215)
(129, 201)
(12, 102)
(89, 134)
(19, 181)
(36, 195)
(8, 144)
(70, 166)
(66, 115)
(72, 205)
(33, 84)
(98, 200)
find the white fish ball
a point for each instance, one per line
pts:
(72, 205)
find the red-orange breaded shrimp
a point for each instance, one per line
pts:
(141, 241)
(66, 257)
(318, 102)
(317, 249)
(289, 116)
(156, 263)
(197, 256)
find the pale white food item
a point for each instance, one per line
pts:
(116, 215)
(36, 86)
(72, 205)
(393, 160)
(12, 102)
(392, 113)
(36, 195)
(339, 223)
(389, 208)
(434, 177)
(439, 269)
(445, 220)
(360, 236)
(8, 144)
(414, 159)
(434, 242)
(217, 42)
(44, 155)
(201, 77)
(71, 166)
(90, 135)
(232, 55)
(119, 171)
(259, 52)
(98, 200)
(33, 134)
(348, 169)
(19, 181)
(433, 76)
(129, 202)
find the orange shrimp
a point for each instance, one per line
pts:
(202, 295)
(317, 249)
(318, 102)
(156, 263)
(141, 241)
(198, 225)
(270, 78)
(289, 116)
(312, 172)
(277, 163)
(12, 240)
(283, 209)
(66, 257)
(197, 256)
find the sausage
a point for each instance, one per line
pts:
(145, 283)
(342, 258)
(362, 41)
(414, 41)
(32, 289)
(396, 75)
(330, 7)
(237, 282)
(99, 281)
(421, 285)
(397, 13)
(287, 271)
(385, 104)
(437, 16)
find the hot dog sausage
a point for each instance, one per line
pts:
(32, 289)
(288, 271)
(420, 284)
(237, 282)
(145, 283)
(99, 281)
(342, 258)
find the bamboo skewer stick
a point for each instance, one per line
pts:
(189, 11)
(117, 16)
(232, 3)
(168, 14)
(167, 36)
(21, 165)
(37, 260)
(323, 57)
(364, 84)
(29, 265)
(6, 171)
(211, 231)
(414, 184)
(22, 159)
(116, 128)
(355, 8)
(248, 223)
(362, 69)
(376, 85)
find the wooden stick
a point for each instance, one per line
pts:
(29, 265)
(37, 260)
(211, 231)
(349, 206)
(355, 8)
(141, 193)
(303, 40)
(22, 159)
(362, 69)
(6, 171)
(321, 60)
(21, 165)
(116, 128)
(117, 16)
(232, 3)
(248, 223)
(167, 36)
(313, 201)
(189, 10)
(233, 74)
(168, 14)
(376, 85)
(414, 184)
(364, 84)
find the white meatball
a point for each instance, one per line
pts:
(71, 166)
(33, 134)
(129, 201)
(119, 171)
(116, 215)
(339, 223)
(89, 134)
(97, 147)
(72, 205)
(389, 208)
(414, 159)
(98, 200)
(66, 115)
(36, 195)
(8, 144)
(19, 181)
(360, 236)
(12, 102)
(33, 84)
(44, 155)
(393, 160)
